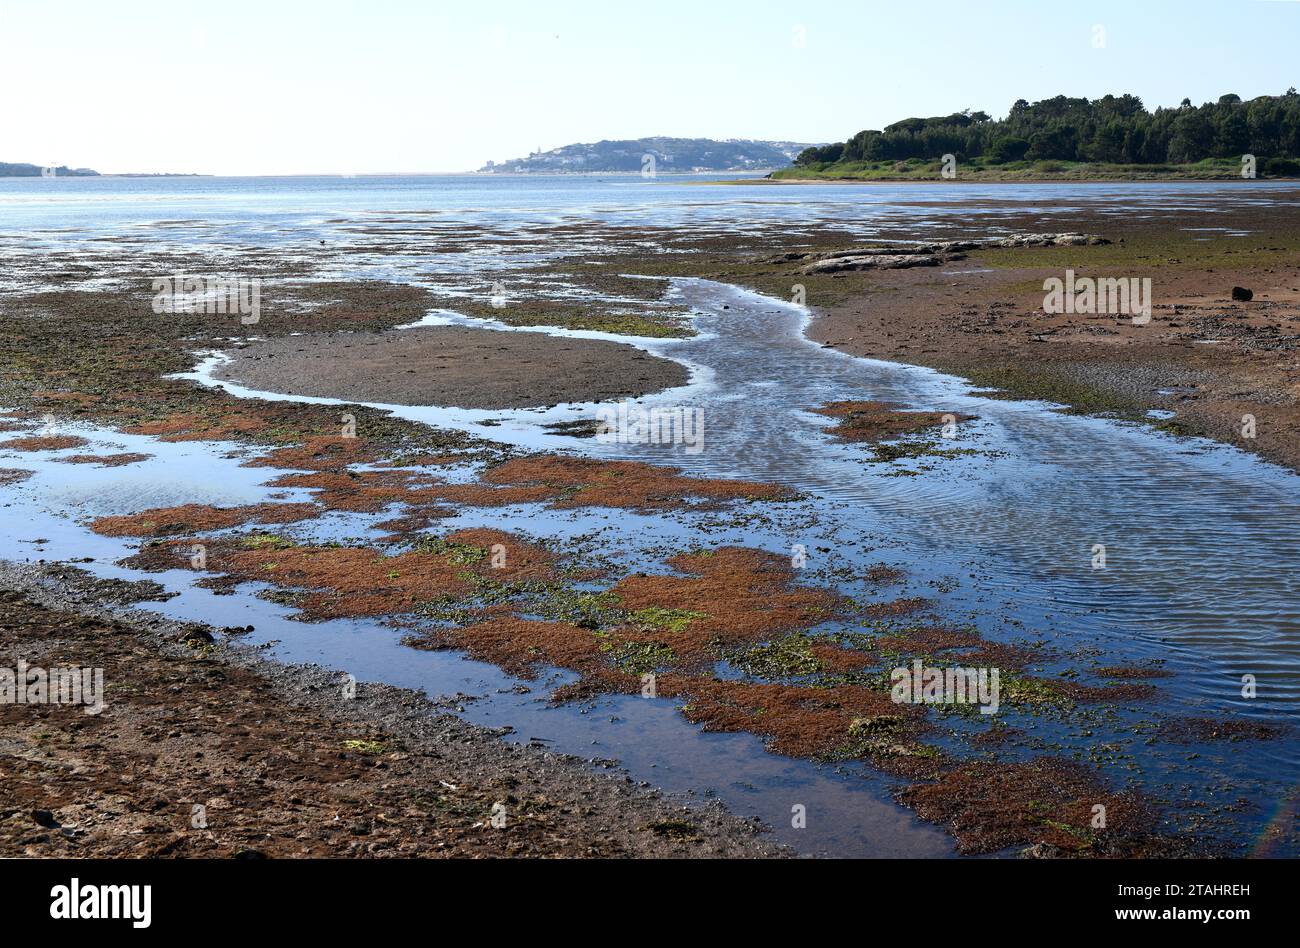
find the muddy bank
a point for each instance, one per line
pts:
(207, 749)
(452, 366)
(1205, 364)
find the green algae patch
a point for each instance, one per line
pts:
(266, 541)
(457, 554)
(637, 657)
(674, 620)
(788, 657)
(1033, 693)
(372, 748)
(1014, 382)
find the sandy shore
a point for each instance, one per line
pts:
(452, 366)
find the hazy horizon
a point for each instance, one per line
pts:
(397, 88)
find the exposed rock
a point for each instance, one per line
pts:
(884, 261)
(1047, 240)
(898, 256)
(1242, 295)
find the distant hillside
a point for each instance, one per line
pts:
(670, 154)
(8, 170)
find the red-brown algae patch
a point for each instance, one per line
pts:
(881, 421)
(1193, 730)
(1132, 672)
(318, 454)
(192, 426)
(363, 491)
(578, 482)
(482, 495)
(1050, 803)
(520, 646)
(354, 582)
(43, 443)
(895, 608)
(928, 640)
(996, 735)
(557, 481)
(845, 722)
(105, 460)
(835, 659)
(882, 575)
(1093, 694)
(734, 595)
(415, 520)
(644, 622)
(974, 651)
(13, 475)
(200, 518)
(423, 460)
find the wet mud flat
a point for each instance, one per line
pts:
(452, 366)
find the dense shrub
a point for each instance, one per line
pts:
(1116, 129)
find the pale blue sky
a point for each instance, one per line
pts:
(281, 87)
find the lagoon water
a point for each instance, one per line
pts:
(1202, 541)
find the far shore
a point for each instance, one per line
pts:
(997, 179)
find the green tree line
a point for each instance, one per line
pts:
(1116, 129)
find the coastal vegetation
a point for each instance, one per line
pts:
(1114, 136)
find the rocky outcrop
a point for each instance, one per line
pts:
(878, 261)
(903, 256)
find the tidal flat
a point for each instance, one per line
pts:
(899, 465)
